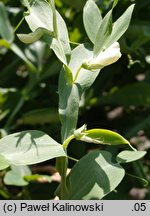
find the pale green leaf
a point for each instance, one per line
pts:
(120, 26)
(92, 19)
(41, 16)
(61, 45)
(29, 147)
(6, 30)
(94, 176)
(69, 94)
(85, 78)
(16, 176)
(103, 33)
(129, 156)
(105, 37)
(4, 163)
(36, 35)
(68, 105)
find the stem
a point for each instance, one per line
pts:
(132, 147)
(145, 182)
(78, 71)
(18, 25)
(61, 166)
(67, 141)
(138, 168)
(74, 159)
(55, 29)
(74, 43)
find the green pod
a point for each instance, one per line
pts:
(103, 136)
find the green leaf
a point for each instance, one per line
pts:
(33, 37)
(103, 33)
(102, 136)
(120, 26)
(61, 45)
(94, 176)
(16, 176)
(4, 163)
(92, 19)
(29, 147)
(6, 30)
(40, 116)
(134, 94)
(41, 16)
(70, 94)
(68, 105)
(105, 37)
(85, 77)
(129, 156)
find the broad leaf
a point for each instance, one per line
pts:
(92, 19)
(94, 176)
(70, 93)
(41, 16)
(4, 163)
(102, 136)
(133, 94)
(6, 30)
(129, 156)
(29, 147)
(16, 176)
(85, 77)
(68, 105)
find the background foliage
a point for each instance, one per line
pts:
(119, 100)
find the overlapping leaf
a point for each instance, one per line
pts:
(28, 147)
(94, 176)
(41, 21)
